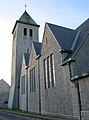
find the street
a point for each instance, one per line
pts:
(9, 116)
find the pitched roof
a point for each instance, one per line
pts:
(84, 32)
(26, 56)
(64, 36)
(84, 29)
(3, 82)
(37, 46)
(25, 19)
(84, 25)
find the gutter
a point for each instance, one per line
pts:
(68, 61)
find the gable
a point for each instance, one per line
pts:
(64, 36)
(81, 56)
(23, 65)
(4, 87)
(32, 55)
(48, 42)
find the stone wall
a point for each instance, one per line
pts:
(33, 97)
(62, 98)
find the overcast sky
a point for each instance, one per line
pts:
(68, 13)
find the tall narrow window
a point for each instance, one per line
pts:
(45, 74)
(30, 81)
(52, 70)
(34, 80)
(23, 85)
(25, 31)
(50, 73)
(31, 33)
(48, 77)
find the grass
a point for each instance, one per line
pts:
(19, 111)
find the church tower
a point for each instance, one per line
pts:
(24, 32)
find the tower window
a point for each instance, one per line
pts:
(31, 32)
(28, 51)
(25, 31)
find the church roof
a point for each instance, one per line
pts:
(64, 36)
(26, 19)
(84, 25)
(26, 56)
(37, 46)
(84, 32)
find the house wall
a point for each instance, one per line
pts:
(84, 95)
(33, 97)
(4, 93)
(80, 65)
(22, 97)
(62, 98)
(80, 68)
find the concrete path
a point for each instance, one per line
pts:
(10, 116)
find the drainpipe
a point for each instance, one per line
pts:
(39, 85)
(26, 87)
(78, 91)
(79, 99)
(18, 92)
(38, 58)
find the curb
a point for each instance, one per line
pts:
(44, 117)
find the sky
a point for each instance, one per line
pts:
(67, 13)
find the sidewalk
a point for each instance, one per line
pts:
(41, 117)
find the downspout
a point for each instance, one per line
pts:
(18, 92)
(38, 58)
(78, 91)
(26, 87)
(79, 99)
(39, 85)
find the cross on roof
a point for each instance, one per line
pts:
(25, 6)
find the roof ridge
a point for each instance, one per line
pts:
(64, 36)
(61, 26)
(80, 45)
(75, 40)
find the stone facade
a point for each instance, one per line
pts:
(25, 31)
(60, 98)
(33, 95)
(4, 93)
(80, 72)
(23, 88)
(54, 81)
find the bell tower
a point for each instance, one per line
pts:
(24, 32)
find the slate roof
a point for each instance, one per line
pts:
(68, 38)
(84, 29)
(64, 36)
(37, 46)
(84, 25)
(25, 19)
(84, 32)
(26, 56)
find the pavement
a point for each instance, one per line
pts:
(41, 117)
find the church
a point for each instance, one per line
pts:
(52, 77)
